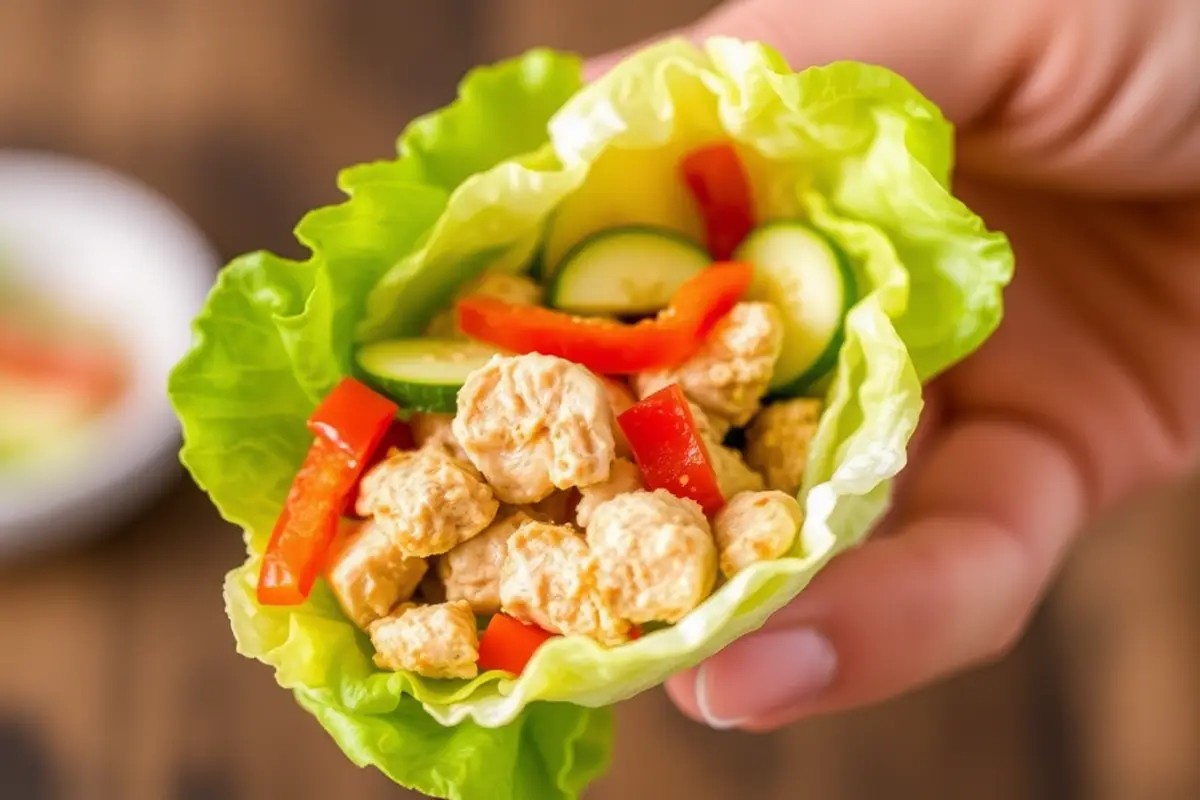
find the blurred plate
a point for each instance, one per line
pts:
(111, 251)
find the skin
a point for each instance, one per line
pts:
(1079, 136)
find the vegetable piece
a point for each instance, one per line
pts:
(423, 374)
(718, 182)
(354, 418)
(308, 525)
(632, 270)
(608, 347)
(669, 450)
(348, 426)
(799, 271)
(78, 366)
(508, 644)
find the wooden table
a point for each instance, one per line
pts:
(118, 677)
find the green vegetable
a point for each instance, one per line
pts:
(629, 270)
(423, 374)
(852, 149)
(803, 275)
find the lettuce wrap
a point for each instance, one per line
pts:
(851, 148)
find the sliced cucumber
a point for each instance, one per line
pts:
(423, 374)
(628, 270)
(802, 273)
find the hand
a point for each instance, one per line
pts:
(1079, 136)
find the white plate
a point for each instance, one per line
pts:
(119, 254)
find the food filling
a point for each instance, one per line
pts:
(586, 454)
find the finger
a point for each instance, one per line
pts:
(990, 514)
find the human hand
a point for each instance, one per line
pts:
(1079, 137)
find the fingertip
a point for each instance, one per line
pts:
(681, 689)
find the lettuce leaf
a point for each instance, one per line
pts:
(525, 163)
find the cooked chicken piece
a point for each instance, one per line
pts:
(656, 555)
(369, 575)
(732, 370)
(756, 526)
(621, 397)
(471, 571)
(533, 423)
(549, 579)
(425, 501)
(434, 430)
(516, 289)
(733, 476)
(440, 641)
(622, 478)
(777, 441)
(709, 426)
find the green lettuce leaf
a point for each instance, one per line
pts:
(522, 166)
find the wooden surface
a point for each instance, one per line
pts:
(118, 678)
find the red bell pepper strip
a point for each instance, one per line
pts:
(307, 526)
(669, 450)
(78, 366)
(353, 417)
(604, 346)
(718, 182)
(508, 644)
(348, 426)
(399, 436)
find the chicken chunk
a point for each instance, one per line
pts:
(732, 370)
(756, 526)
(518, 290)
(777, 441)
(733, 475)
(533, 423)
(549, 579)
(369, 575)
(623, 478)
(440, 641)
(621, 397)
(657, 559)
(425, 501)
(710, 427)
(434, 430)
(471, 571)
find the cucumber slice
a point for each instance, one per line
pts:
(628, 270)
(801, 272)
(423, 374)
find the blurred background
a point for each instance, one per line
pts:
(118, 677)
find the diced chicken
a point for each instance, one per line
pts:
(621, 397)
(733, 475)
(533, 423)
(549, 579)
(656, 555)
(777, 441)
(756, 526)
(369, 575)
(439, 641)
(732, 370)
(515, 289)
(624, 477)
(434, 430)
(471, 571)
(425, 501)
(709, 426)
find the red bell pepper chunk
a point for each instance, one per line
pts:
(307, 526)
(508, 644)
(348, 427)
(718, 182)
(669, 450)
(604, 346)
(353, 417)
